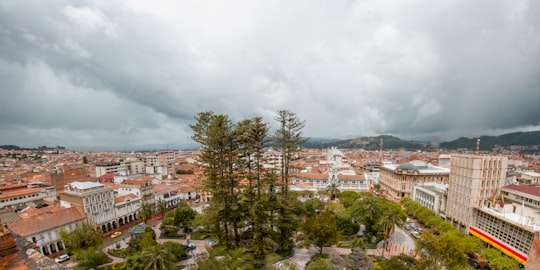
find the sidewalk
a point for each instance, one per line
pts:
(398, 243)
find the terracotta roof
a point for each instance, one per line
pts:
(351, 177)
(123, 198)
(312, 176)
(133, 182)
(528, 189)
(162, 188)
(46, 221)
(19, 192)
(107, 176)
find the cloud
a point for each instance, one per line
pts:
(136, 72)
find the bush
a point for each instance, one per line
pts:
(172, 232)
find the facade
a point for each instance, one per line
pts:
(20, 196)
(398, 181)
(140, 188)
(474, 179)
(95, 200)
(334, 170)
(131, 166)
(110, 167)
(43, 225)
(126, 208)
(432, 196)
(162, 164)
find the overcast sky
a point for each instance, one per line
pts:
(110, 73)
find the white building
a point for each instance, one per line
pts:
(95, 200)
(43, 225)
(431, 195)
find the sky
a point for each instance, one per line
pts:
(121, 73)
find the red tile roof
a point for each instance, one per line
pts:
(528, 189)
(47, 221)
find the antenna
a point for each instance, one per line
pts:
(478, 146)
(380, 150)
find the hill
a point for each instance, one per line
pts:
(531, 138)
(367, 143)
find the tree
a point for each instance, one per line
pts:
(90, 258)
(497, 260)
(83, 237)
(219, 152)
(145, 211)
(446, 250)
(345, 224)
(333, 190)
(287, 138)
(220, 258)
(321, 230)
(161, 207)
(157, 257)
(313, 205)
(184, 215)
(348, 197)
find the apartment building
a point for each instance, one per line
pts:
(162, 164)
(110, 167)
(398, 180)
(474, 179)
(95, 200)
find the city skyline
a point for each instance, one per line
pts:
(133, 73)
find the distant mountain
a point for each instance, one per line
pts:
(368, 143)
(530, 138)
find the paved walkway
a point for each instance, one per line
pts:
(199, 244)
(400, 242)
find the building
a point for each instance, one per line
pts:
(95, 200)
(19, 196)
(162, 164)
(432, 196)
(140, 188)
(334, 170)
(126, 208)
(474, 180)
(75, 172)
(42, 226)
(398, 181)
(114, 167)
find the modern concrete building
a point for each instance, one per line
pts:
(398, 180)
(432, 196)
(95, 200)
(474, 180)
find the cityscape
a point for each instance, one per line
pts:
(271, 135)
(490, 196)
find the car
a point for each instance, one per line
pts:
(415, 234)
(116, 234)
(62, 258)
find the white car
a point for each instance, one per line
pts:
(62, 258)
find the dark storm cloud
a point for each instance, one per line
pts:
(132, 72)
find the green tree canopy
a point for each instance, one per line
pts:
(81, 238)
(321, 230)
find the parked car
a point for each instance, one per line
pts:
(116, 234)
(62, 258)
